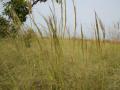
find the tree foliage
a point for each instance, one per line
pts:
(18, 7)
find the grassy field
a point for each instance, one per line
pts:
(70, 65)
(33, 62)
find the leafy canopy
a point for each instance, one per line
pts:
(18, 7)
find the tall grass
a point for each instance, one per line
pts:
(34, 62)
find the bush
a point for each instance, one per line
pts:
(4, 27)
(29, 34)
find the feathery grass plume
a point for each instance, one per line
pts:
(65, 17)
(52, 22)
(61, 24)
(102, 28)
(18, 25)
(75, 17)
(97, 32)
(52, 27)
(75, 24)
(38, 30)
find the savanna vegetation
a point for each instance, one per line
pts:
(55, 60)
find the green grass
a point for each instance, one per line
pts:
(42, 67)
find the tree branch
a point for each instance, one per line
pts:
(36, 1)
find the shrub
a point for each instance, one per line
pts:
(4, 27)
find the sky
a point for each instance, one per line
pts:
(107, 10)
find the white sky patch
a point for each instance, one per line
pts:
(107, 10)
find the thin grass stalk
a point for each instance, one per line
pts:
(82, 38)
(65, 18)
(103, 29)
(17, 23)
(49, 29)
(61, 20)
(68, 31)
(75, 17)
(55, 38)
(51, 24)
(97, 32)
(53, 18)
(18, 26)
(13, 79)
(32, 18)
(75, 25)
(48, 26)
